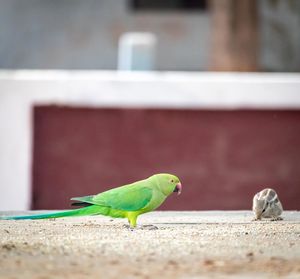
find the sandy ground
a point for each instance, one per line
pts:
(203, 244)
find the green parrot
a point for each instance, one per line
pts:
(128, 201)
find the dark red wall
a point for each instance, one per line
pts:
(222, 157)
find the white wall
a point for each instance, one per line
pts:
(21, 90)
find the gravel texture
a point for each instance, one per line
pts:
(218, 244)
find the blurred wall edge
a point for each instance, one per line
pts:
(85, 34)
(239, 35)
(228, 133)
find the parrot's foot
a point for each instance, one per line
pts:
(256, 219)
(276, 218)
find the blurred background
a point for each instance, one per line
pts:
(192, 35)
(97, 93)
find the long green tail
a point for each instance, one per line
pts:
(89, 210)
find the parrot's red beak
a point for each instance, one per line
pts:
(178, 188)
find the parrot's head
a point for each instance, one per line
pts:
(168, 183)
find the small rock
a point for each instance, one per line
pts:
(208, 262)
(172, 262)
(114, 262)
(250, 254)
(8, 246)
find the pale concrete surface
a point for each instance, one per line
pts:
(186, 245)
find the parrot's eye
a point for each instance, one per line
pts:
(172, 180)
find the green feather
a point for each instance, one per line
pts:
(90, 210)
(130, 198)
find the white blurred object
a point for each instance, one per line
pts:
(137, 51)
(266, 204)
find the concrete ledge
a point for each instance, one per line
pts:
(205, 90)
(186, 245)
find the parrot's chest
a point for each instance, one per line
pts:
(157, 199)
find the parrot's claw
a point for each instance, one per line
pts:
(148, 227)
(276, 218)
(144, 227)
(128, 227)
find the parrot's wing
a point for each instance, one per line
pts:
(123, 198)
(83, 201)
